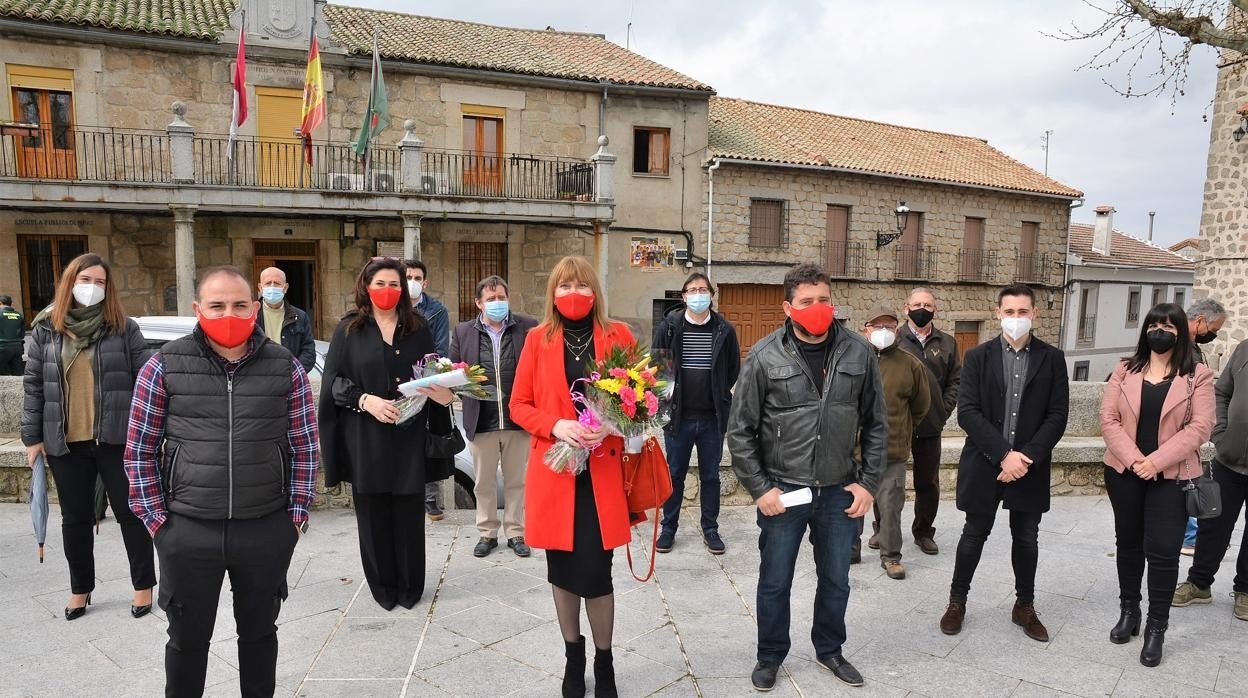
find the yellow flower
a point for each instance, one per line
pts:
(610, 385)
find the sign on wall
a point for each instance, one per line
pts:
(652, 253)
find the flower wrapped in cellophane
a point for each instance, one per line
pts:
(462, 379)
(627, 393)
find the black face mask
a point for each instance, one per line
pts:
(1206, 337)
(921, 316)
(1161, 341)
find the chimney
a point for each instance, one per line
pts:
(1103, 232)
(1151, 216)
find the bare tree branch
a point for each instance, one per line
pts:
(1198, 29)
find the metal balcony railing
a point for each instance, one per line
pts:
(844, 260)
(1034, 269)
(87, 154)
(916, 263)
(976, 266)
(1087, 329)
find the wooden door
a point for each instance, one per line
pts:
(973, 250)
(483, 155)
(1028, 263)
(41, 259)
(967, 340)
(910, 246)
(279, 113)
(49, 154)
(755, 310)
(838, 240)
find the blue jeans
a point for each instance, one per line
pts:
(680, 441)
(779, 539)
(1189, 536)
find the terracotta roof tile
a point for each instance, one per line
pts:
(428, 40)
(786, 135)
(1125, 250)
(1188, 242)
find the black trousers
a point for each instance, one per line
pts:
(926, 453)
(1150, 517)
(1024, 552)
(1214, 535)
(392, 546)
(195, 555)
(75, 474)
(11, 360)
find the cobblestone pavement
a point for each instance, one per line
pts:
(486, 626)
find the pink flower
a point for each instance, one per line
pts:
(652, 403)
(618, 373)
(629, 407)
(459, 365)
(628, 396)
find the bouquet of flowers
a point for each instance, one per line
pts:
(463, 380)
(628, 393)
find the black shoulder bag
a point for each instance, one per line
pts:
(442, 438)
(1204, 497)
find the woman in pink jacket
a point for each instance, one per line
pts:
(1157, 411)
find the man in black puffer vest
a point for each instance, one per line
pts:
(221, 455)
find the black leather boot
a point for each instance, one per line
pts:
(574, 669)
(1128, 624)
(604, 674)
(1154, 637)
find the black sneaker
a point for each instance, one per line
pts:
(518, 546)
(433, 511)
(764, 676)
(841, 669)
(666, 540)
(714, 543)
(484, 546)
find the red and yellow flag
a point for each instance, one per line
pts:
(313, 99)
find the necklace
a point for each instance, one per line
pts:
(578, 345)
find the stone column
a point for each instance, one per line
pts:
(181, 146)
(184, 254)
(411, 234)
(410, 149)
(604, 173)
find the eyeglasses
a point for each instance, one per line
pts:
(698, 291)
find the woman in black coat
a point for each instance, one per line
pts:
(372, 351)
(79, 382)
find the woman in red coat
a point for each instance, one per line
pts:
(578, 519)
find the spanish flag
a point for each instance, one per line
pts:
(313, 99)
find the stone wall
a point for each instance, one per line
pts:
(1224, 220)
(872, 201)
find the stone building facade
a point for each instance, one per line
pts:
(1223, 263)
(965, 266)
(548, 93)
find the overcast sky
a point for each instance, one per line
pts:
(974, 67)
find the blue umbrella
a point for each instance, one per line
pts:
(39, 502)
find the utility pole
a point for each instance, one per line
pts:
(1045, 143)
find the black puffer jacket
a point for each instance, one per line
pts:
(118, 358)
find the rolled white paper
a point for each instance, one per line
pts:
(796, 497)
(450, 379)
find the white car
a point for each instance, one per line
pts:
(160, 329)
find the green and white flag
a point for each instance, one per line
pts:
(377, 117)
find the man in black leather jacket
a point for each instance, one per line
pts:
(807, 394)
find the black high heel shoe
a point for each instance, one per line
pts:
(1128, 624)
(1154, 637)
(76, 613)
(140, 611)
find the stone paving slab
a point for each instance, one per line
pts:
(486, 627)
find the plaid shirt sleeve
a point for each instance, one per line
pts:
(144, 439)
(303, 444)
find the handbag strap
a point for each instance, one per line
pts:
(654, 540)
(1187, 417)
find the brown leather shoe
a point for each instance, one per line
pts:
(1025, 615)
(951, 622)
(927, 545)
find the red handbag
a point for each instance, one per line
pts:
(647, 486)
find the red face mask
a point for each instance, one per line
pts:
(574, 306)
(228, 331)
(814, 319)
(385, 297)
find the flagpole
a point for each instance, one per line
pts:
(232, 155)
(303, 161)
(372, 94)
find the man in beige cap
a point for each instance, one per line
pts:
(907, 396)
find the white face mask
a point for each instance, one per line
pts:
(1015, 328)
(882, 339)
(414, 289)
(88, 295)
